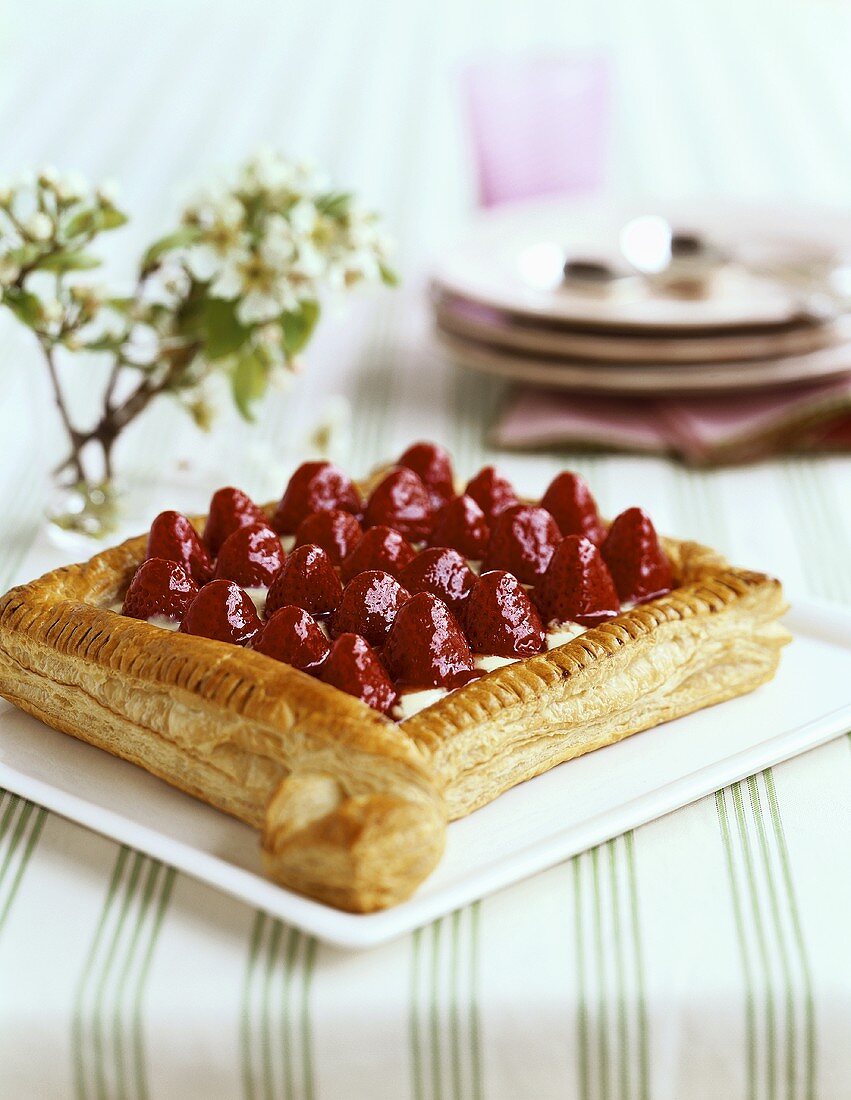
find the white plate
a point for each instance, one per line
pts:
(512, 261)
(535, 825)
(617, 378)
(480, 324)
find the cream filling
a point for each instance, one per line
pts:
(412, 702)
(258, 598)
(164, 622)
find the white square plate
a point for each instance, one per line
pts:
(535, 825)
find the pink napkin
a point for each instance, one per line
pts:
(701, 431)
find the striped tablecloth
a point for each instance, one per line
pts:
(703, 955)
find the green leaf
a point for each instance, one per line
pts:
(388, 275)
(110, 217)
(68, 261)
(181, 238)
(334, 204)
(25, 306)
(106, 343)
(81, 222)
(220, 329)
(249, 380)
(93, 219)
(298, 326)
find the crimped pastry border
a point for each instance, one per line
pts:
(353, 806)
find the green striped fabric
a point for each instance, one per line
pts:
(701, 956)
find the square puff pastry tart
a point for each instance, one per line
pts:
(353, 806)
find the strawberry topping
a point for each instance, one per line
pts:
(569, 501)
(293, 637)
(638, 564)
(425, 646)
(159, 587)
(173, 537)
(499, 617)
(230, 509)
(380, 548)
(315, 487)
(441, 571)
(522, 541)
(434, 467)
(492, 492)
(400, 501)
(577, 586)
(307, 580)
(222, 611)
(353, 666)
(461, 524)
(338, 533)
(369, 605)
(251, 556)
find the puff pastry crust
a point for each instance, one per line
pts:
(352, 806)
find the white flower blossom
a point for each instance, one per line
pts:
(38, 226)
(71, 187)
(52, 311)
(108, 192)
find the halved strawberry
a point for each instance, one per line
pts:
(461, 524)
(499, 617)
(251, 556)
(571, 504)
(369, 605)
(401, 501)
(522, 541)
(315, 487)
(229, 510)
(442, 571)
(307, 580)
(577, 586)
(491, 491)
(338, 533)
(638, 564)
(425, 646)
(294, 637)
(159, 587)
(354, 667)
(222, 611)
(173, 537)
(380, 548)
(434, 467)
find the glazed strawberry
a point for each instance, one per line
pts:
(569, 501)
(292, 636)
(461, 524)
(441, 571)
(402, 502)
(229, 510)
(173, 537)
(251, 556)
(637, 562)
(315, 487)
(499, 617)
(577, 586)
(522, 541)
(353, 666)
(425, 646)
(159, 588)
(434, 467)
(222, 611)
(369, 605)
(492, 492)
(380, 548)
(307, 580)
(338, 533)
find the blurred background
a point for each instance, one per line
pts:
(671, 100)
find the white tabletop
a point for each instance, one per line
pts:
(705, 954)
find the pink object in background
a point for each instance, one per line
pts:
(539, 125)
(700, 430)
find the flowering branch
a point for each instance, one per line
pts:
(234, 289)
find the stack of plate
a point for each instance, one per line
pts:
(653, 298)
